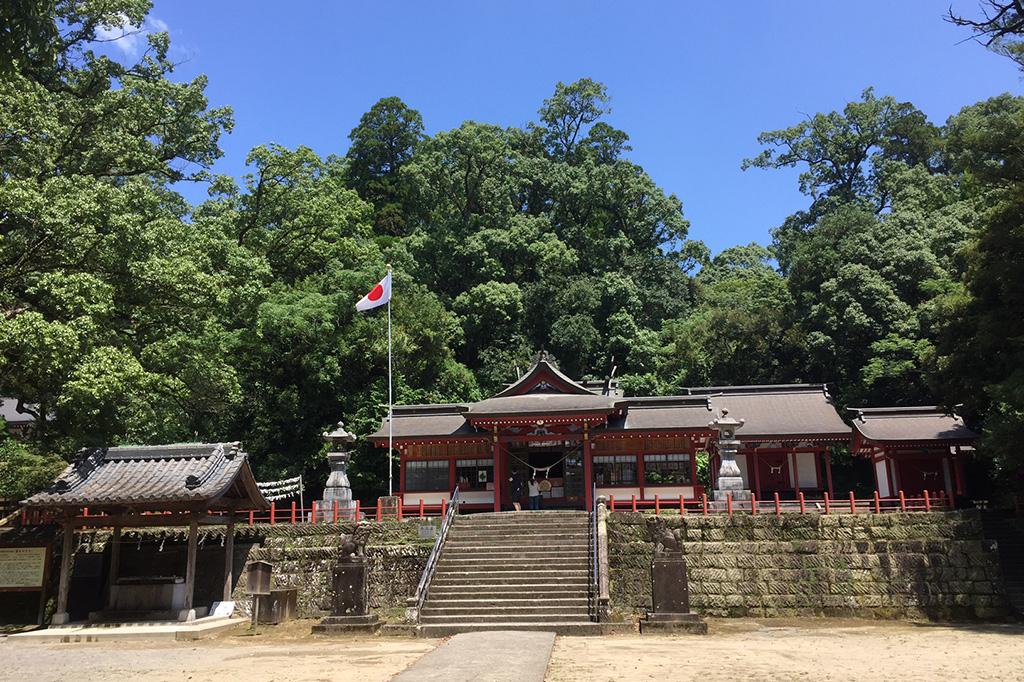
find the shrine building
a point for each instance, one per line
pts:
(913, 449)
(579, 438)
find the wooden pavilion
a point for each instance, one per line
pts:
(138, 486)
(913, 449)
(579, 437)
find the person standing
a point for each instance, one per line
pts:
(534, 489)
(516, 489)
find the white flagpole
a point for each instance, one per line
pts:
(390, 400)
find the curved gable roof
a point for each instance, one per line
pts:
(910, 425)
(543, 372)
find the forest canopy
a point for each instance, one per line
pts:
(131, 316)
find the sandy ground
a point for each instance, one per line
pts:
(798, 650)
(735, 649)
(283, 654)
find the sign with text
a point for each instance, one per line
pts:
(22, 568)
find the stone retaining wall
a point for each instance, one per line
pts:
(869, 565)
(304, 555)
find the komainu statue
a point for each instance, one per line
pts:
(354, 545)
(667, 541)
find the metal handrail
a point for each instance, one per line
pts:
(435, 553)
(595, 564)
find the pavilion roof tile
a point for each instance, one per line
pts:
(154, 477)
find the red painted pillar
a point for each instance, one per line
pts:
(958, 474)
(752, 464)
(499, 474)
(588, 470)
(828, 471)
(796, 471)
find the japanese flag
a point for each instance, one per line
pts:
(378, 296)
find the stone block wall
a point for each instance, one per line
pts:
(934, 565)
(304, 555)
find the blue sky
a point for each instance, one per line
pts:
(692, 84)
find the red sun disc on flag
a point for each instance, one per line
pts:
(377, 292)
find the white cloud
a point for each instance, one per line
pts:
(131, 38)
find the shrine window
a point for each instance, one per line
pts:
(615, 469)
(431, 474)
(667, 469)
(474, 474)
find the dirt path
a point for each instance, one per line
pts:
(802, 650)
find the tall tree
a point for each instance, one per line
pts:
(1000, 27)
(110, 297)
(845, 158)
(384, 141)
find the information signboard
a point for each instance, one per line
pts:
(22, 568)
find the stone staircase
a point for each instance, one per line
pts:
(1008, 532)
(512, 571)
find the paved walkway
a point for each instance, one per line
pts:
(485, 657)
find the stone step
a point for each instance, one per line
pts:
(520, 541)
(446, 602)
(504, 618)
(506, 534)
(486, 592)
(471, 563)
(579, 628)
(520, 527)
(430, 611)
(498, 573)
(486, 551)
(498, 580)
(540, 513)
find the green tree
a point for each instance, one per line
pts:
(111, 297)
(384, 141)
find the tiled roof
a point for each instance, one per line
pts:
(423, 421)
(776, 411)
(543, 403)
(910, 425)
(155, 477)
(660, 413)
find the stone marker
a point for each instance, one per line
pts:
(669, 587)
(351, 607)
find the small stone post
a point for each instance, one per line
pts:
(730, 481)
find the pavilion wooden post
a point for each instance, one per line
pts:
(588, 469)
(190, 568)
(115, 565)
(60, 617)
(229, 555)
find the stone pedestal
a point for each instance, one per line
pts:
(671, 599)
(350, 613)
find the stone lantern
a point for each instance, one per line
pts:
(730, 481)
(338, 489)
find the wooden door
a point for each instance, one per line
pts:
(773, 472)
